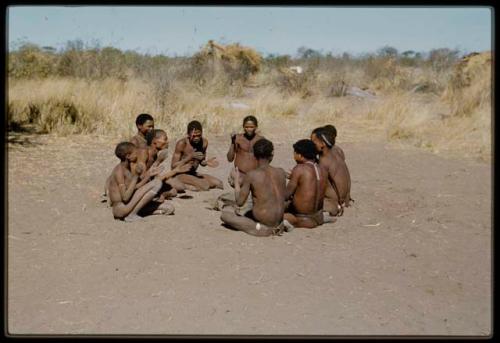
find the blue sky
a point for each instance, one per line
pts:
(176, 30)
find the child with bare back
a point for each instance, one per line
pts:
(332, 131)
(267, 186)
(338, 192)
(192, 149)
(306, 188)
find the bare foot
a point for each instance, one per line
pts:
(288, 226)
(165, 208)
(169, 194)
(327, 218)
(132, 218)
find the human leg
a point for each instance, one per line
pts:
(141, 197)
(178, 185)
(246, 224)
(212, 181)
(199, 183)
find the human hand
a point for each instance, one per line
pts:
(198, 155)
(233, 137)
(183, 168)
(212, 162)
(154, 171)
(139, 169)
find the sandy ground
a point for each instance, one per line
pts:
(411, 257)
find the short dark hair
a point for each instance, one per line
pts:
(156, 133)
(317, 131)
(142, 118)
(263, 148)
(250, 118)
(306, 148)
(331, 129)
(194, 125)
(325, 135)
(123, 149)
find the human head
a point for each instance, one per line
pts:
(332, 132)
(195, 131)
(126, 151)
(250, 125)
(159, 139)
(263, 149)
(304, 149)
(319, 136)
(144, 123)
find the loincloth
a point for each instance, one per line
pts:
(317, 217)
(276, 230)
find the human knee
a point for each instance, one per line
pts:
(218, 184)
(227, 216)
(156, 185)
(204, 185)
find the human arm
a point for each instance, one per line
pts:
(232, 148)
(202, 155)
(126, 192)
(154, 170)
(170, 173)
(176, 157)
(331, 179)
(241, 193)
(291, 187)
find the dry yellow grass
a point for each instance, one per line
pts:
(457, 120)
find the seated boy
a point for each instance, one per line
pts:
(338, 192)
(130, 198)
(267, 186)
(306, 188)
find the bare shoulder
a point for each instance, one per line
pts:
(162, 154)
(279, 171)
(298, 168)
(134, 140)
(253, 174)
(205, 142)
(239, 136)
(181, 144)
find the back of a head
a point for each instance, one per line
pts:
(263, 149)
(250, 118)
(123, 149)
(317, 131)
(194, 125)
(306, 148)
(156, 133)
(331, 129)
(142, 118)
(325, 135)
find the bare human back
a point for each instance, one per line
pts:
(267, 186)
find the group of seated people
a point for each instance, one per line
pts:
(266, 200)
